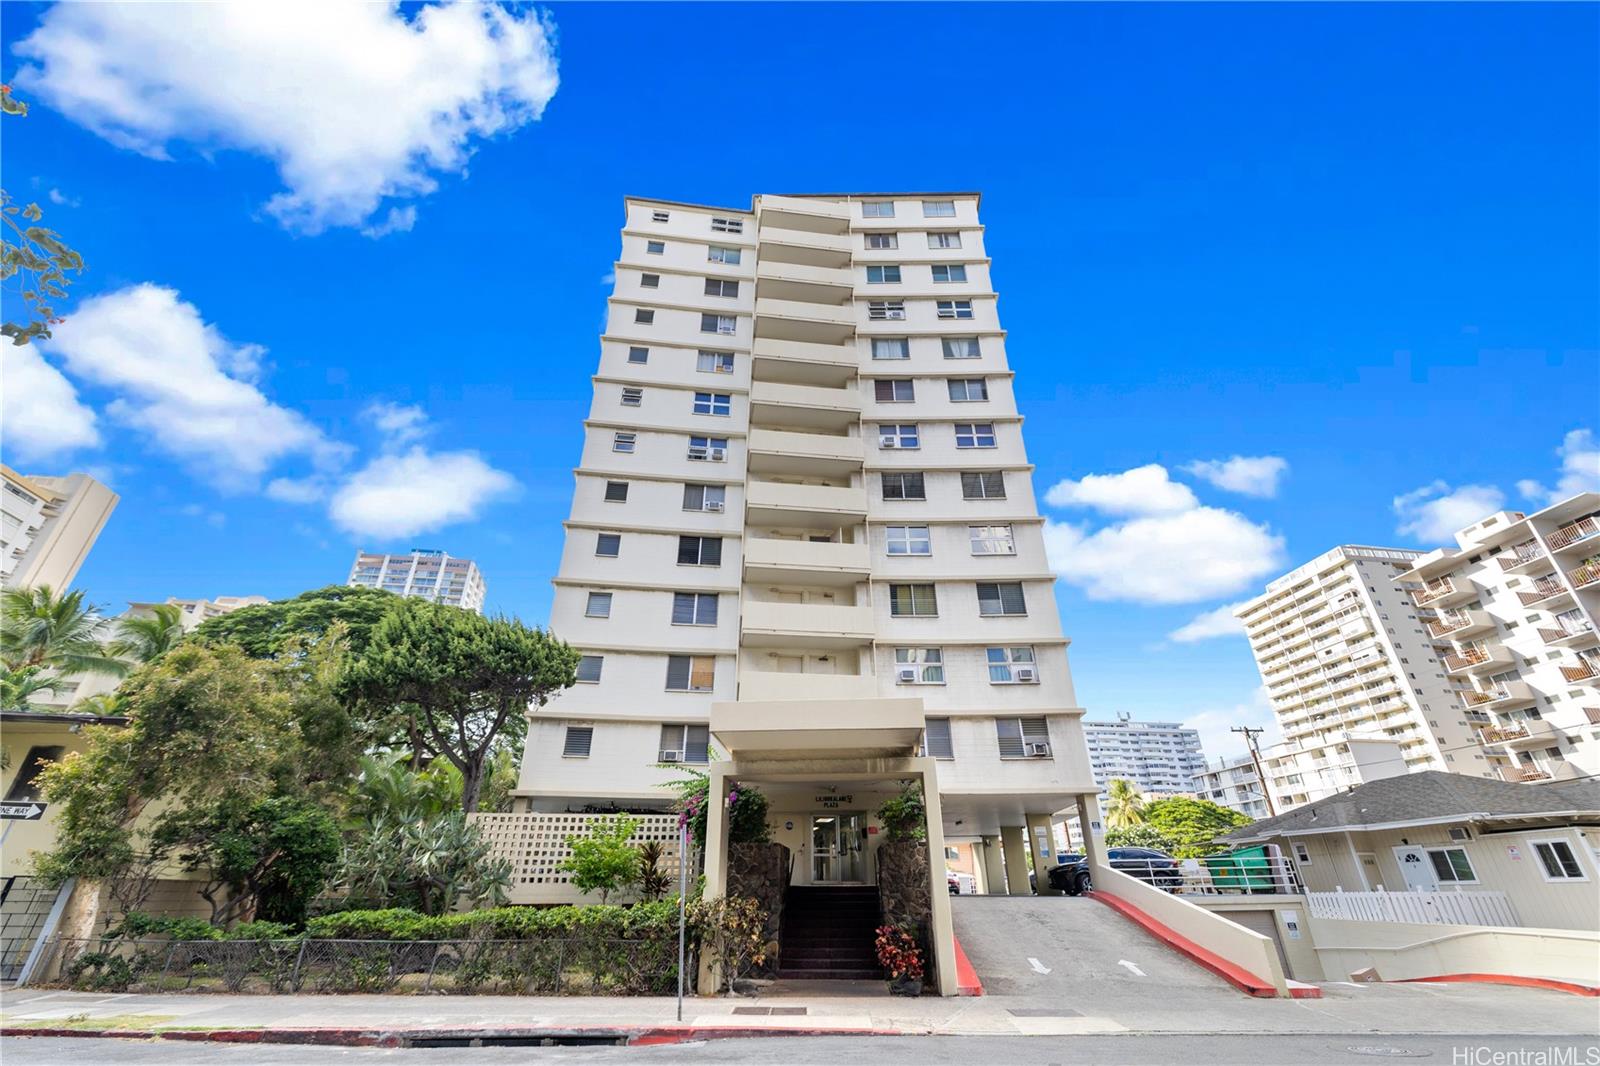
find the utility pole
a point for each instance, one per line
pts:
(1250, 734)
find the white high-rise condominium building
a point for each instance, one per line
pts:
(1513, 611)
(804, 512)
(1354, 678)
(48, 525)
(1162, 758)
(1233, 782)
(426, 573)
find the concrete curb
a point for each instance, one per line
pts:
(630, 1035)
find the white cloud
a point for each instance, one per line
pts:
(1195, 555)
(398, 423)
(1216, 726)
(402, 495)
(61, 199)
(215, 519)
(353, 102)
(1217, 622)
(1144, 490)
(189, 390)
(1434, 512)
(1247, 475)
(608, 278)
(1580, 470)
(398, 220)
(40, 412)
(297, 490)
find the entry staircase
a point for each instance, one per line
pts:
(828, 933)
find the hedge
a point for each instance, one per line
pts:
(641, 921)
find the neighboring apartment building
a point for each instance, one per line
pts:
(1162, 758)
(1232, 782)
(1350, 670)
(803, 493)
(426, 573)
(1513, 612)
(48, 525)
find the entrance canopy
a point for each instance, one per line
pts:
(765, 730)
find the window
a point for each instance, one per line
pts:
(944, 239)
(938, 209)
(898, 436)
(894, 390)
(632, 396)
(908, 486)
(975, 435)
(578, 741)
(713, 403)
(685, 743)
(883, 275)
(720, 254)
(616, 492)
(589, 669)
(883, 241)
(909, 540)
(694, 608)
(644, 316)
(992, 540)
(877, 209)
(25, 789)
(655, 247)
(624, 442)
(983, 485)
(951, 272)
(936, 742)
(718, 324)
(691, 673)
(968, 390)
(1557, 860)
(700, 551)
(637, 354)
(721, 287)
(961, 348)
(708, 449)
(599, 605)
(996, 598)
(714, 362)
(1011, 666)
(1023, 738)
(608, 545)
(954, 308)
(659, 216)
(1451, 865)
(919, 666)
(886, 310)
(891, 348)
(704, 497)
(1302, 854)
(912, 601)
(650, 281)
(727, 225)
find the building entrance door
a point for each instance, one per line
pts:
(1416, 869)
(838, 848)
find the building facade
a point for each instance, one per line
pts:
(48, 525)
(1351, 670)
(1232, 782)
(1162, 758)
(1512, 611)
(425, 573)
(803, 538)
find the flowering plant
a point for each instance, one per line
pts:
(898, 952)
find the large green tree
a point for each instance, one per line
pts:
(466, 682)
(264, 630)
(1191, 825)
(58, 632)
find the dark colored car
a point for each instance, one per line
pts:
(1147, 864)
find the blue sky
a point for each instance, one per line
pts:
(1357, 239)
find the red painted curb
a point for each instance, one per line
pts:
(642, 1036)
(1237, 976)
(967, 982)
(1571, 987)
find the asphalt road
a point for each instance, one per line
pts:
(1129, 1050)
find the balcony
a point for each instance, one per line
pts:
(1442, 592)
(801, 320)
(1460, 624)
(1587, 670)
(804, 562)
(778, 503)
(1545, 591)
(1524, 774)
(1585, 576)
(1572, 533)
(1528, 733)
(837, 283)
(808, 406)
(803, 363)
(768, 624)
(783, 452)
(1520, 558)
(1508, 694)
(782, 244)
(771, 685)
(804, 214)
(1567, 636)
(1477, 660)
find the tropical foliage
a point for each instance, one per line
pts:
(905, 816)
(1191, 826)
(145, 638)
(652, 879)
(1124, 804)
(430, 864)
(602, 860)
(265, 630)
(58, 632)
(746, 805)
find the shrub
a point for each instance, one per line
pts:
(260, 931)
(898, 952)
(643, 921)
(905, 817)
(602, 860)
(1139, 836)
(136, 925)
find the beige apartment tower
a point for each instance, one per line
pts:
(49, 525)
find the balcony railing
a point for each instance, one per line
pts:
(1556, 636)
(1453, 621)
(1542, 590)
(1521, 554)
(1433, 590)
(1573, 532)
(1465, 658)
(1501, 734)
(1584, 576)
(1524, 773)
(1586, 670)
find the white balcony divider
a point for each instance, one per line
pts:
(1440, 908)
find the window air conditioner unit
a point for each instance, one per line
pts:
(889, 442)
(1024, 674)
(908, 675)
(727, 328)
(1460, 832)
(672, 756)
(895, 316)
(697, 452)
(713, 505)
(718, 454)
(1038, 748)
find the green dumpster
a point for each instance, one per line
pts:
(1243, 870)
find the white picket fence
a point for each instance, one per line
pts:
(1442, 908)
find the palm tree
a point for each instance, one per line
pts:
(146, 638)
(18, 687)
(59, 633)
(1124, 804)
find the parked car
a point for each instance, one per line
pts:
(954, 882)
(1147, 864)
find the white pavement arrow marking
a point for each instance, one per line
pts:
(1136, 971)
(1038, 967)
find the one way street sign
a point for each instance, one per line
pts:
(27, 812)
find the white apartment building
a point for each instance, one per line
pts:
(1232, 782)
(1513, 611)
(426, 573)
(1162, 758)
(803, 539)
(48, 525)
(1351, 671)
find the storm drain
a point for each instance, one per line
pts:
(765, 1012)
(550, 1040)
(1044, 1012)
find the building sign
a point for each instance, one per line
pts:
(1291, 924)
(872, 830)
(832, 801)
(1511, 850)
(26, 812)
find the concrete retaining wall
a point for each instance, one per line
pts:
(1402, 951)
